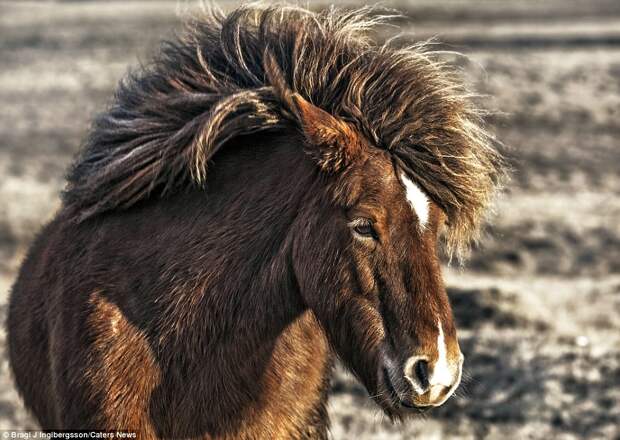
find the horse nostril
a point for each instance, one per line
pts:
(421, 372)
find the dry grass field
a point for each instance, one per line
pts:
(538, 303)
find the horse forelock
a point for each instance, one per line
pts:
(233, 75)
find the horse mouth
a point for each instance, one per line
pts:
(397, 402)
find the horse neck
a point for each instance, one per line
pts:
(234, 287)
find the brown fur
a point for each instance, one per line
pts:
(214, 311)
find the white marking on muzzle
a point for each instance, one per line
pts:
(417, 199)
(442, 374)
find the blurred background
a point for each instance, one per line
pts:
(538, 304)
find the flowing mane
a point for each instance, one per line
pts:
(229, 76)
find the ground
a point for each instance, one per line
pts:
(538, 303)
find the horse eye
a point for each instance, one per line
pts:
(365, 229)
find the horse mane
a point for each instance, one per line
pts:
(229, 75)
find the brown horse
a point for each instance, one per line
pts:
(267, 194)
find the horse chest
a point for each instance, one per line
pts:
(277, 391)
(294, 387)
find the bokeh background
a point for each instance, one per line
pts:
(537, 305)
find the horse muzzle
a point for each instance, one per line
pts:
(417, 384)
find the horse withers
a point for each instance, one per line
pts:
(266, 195)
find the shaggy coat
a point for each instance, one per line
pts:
(240, 215)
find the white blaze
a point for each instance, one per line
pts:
(441, 373)
(417, 199)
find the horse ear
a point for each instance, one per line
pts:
(333, 143)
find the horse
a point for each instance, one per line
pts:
(271, 193)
